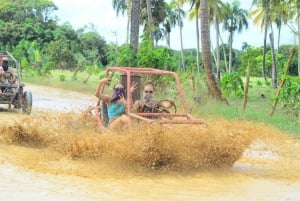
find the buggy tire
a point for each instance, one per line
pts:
(103, 114)
(27, 104)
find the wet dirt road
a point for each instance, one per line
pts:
(59, 155)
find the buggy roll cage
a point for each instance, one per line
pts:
(169, 118)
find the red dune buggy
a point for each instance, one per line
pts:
(171, 106)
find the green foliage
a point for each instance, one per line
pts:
(290, 94)
(232, 83)
(191, 59)
(159, 57)
(254, 56)
(285, 51)
(62, 78)
(60, 53)
(259, 83)
(123, 56)
(93, 47)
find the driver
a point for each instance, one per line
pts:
(146, 105)
(7, 74)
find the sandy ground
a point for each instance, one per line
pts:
(55, 156)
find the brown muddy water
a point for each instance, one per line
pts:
(61, 155)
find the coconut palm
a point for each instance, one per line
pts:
(119, 6)
(205, 41)
(263, 17)
(122, 6)
(267, 12)
(158, 34)
(216, 18)
(235, 19)
(180, 14)
(294, 12)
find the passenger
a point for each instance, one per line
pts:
(116, 104)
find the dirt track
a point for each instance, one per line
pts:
(59, 155)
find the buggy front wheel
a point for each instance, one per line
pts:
(27, 104)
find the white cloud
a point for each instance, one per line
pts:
(98, 12)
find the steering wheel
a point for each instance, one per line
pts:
(164, 106)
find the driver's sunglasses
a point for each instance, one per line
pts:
(148, 92)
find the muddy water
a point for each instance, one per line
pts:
(62, 156)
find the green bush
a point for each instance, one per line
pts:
(62, 78)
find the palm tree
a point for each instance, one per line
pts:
(267, 12)
(149, 15)
(235, 19)
(194, 13)
(158, 34)
(120, 6)
(263, 16)
(280, 15)
(205, 41)
(170, 21)
(135, 25)
(216, 17)
(180, 14)
(295, 15)
(157, 12)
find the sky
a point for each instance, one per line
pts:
(100, 13)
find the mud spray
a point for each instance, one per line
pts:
(72, 144)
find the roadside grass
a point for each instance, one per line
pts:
(259, 105)
(64, 79)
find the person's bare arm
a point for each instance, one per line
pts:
(100, 88)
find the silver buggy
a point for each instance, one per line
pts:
(13, 94)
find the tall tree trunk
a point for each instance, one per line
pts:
(129, 8)
(135, 25)
(278, 39)
(168, 39)
(127, 31)
(274, 67)
(230, 50)
(181, 45)
(266, 7)
(263, 70)
(198, 40)
(217, 39)
(298, 42)
(149, 14)
(224, 53)
(206, 54)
